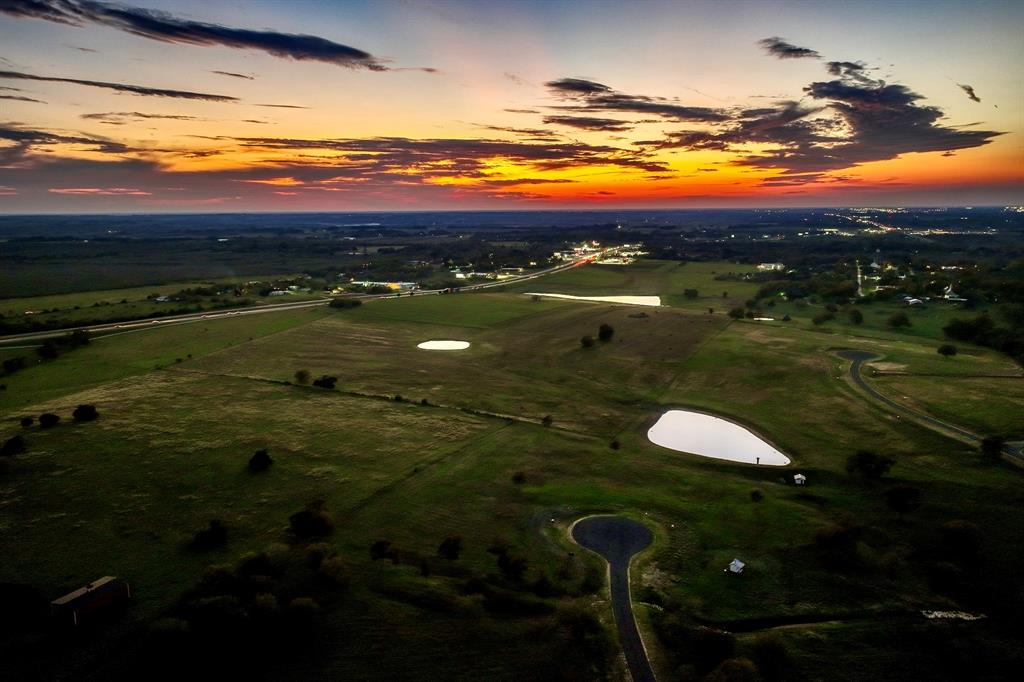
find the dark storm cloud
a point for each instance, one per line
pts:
(233, 75)
(168, 28)
(121, 87)
(589, 123)
(969, 90)
(858, 120)
(778, 47)
(589, 96)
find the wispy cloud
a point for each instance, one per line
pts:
(168, 28)
(585, 95)
(121, 87)
(233, 75)
(969, 90)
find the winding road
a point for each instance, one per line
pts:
(618, 539)
(859, 357)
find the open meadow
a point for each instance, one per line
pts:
(503, 445)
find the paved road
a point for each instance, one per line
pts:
(135, 325)
(618, 540)
(859, 357)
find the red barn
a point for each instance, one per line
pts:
(85, 603)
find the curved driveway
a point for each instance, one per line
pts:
(859, 357)
(618, 540)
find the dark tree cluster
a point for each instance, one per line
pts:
(345, 303)
(869, 465)
(213, 536)
(260, 461)
(15, 445)
(85, 413)
(313, 521)
(325, 381)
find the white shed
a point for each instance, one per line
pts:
(799, 479)
(736, 566)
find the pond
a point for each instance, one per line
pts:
(710, 436)
(653, 301)
(443, 345)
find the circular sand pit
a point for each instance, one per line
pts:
(710, 436)
(443, 345)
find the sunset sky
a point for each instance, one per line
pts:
(305, 106)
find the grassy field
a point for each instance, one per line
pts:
(124, 494)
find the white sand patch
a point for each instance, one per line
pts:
(710, 436)
(652, 301)
(443, 345)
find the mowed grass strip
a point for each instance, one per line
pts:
(125, 354)
(528, 367)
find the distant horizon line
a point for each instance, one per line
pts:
(507, 210)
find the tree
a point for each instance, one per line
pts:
(605, 332)
(899, 319)
(450, 547)
(313, 521)
(48, 420)
(85, 413)
(302, 377)
(547, 420)
(615, 444)
(12, 365)
(345, 303)
(735, 670)
(587, 341)
(856, 316)
(903, 499)
(325, 382)
(15, 445)
(211, 537)
(756, 495)
(27, 422)
(946, 350)
(992, 446)
(48, 351)
(260, 461)
(711, 311)
(869, 465)
(519, 478)
(381, 549)
(690, 293)
(736, 313)
(786, 318)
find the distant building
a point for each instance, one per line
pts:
(736, 566)
(914, 301)
(799, 479)
(770, 267)
(89, 602)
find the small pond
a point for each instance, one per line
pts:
(710, 436)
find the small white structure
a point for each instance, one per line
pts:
(799, 479)
(771, 267)
(736, 566)
(915, 301)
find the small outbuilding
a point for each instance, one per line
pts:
(736, 566)
(799, 479)
(86, 603)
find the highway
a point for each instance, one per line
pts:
(111, 328)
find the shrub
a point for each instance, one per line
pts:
(345, 303)
(211, 537)
(992, 446)
(27, 422)
(869, 465)
(587, 341)
(547, 420)
(822, 318)
(771, 657)
(381, 549)
(690, 293)
(85, 413)
(48, 420)
(898, 319)
(736, 313)
(615, 444)
(450, 547)
(734, 670)
(325, 382)
(12, 365)
(756, 495)
(837, 545)
(786, 318)
(302, 377)
(334, 572)
(946, 350)
(856, 316)
(48, 351)
(961, 541)
(260, 461)
(313, 521)
(519, 478)
(605, 332)
(903, 499)
(15, 445)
